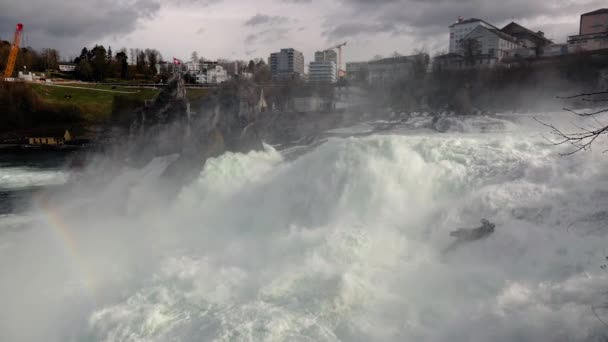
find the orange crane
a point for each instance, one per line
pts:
(12, 57)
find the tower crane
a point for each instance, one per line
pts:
(12, 57)
(339, 47)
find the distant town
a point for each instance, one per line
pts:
(473, 43)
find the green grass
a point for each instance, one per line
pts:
(95, 106)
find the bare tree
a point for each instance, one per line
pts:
(471, 48)
(584, 137)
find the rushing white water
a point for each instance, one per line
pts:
(344, 243)
(24, 177)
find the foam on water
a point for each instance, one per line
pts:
(345, 243)
(23, 177)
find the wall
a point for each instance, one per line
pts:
(594, 23)
(590, 43)
(491, 44)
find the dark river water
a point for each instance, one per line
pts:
(23, 174)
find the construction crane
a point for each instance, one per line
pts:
(12, 57)
(339, 47)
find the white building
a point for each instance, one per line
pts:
(217, 75)
(201, 78)
(492, 45)
(214, 75)
(324, 72)
(193, 68)
(67, 67)
(29, 76)
(460, 29)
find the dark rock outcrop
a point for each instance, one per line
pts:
(223, 122)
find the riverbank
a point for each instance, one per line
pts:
(83, 108)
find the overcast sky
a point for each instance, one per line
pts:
(247, 29)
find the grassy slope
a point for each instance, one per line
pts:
(96, 106)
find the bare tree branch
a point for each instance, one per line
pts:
(581, 141)
(582, 95)
(587, 134)
(595, 100)
(597, 316)
(586, 114)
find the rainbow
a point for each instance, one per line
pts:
(69, 243)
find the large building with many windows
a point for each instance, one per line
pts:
(286, 64)
(490, 45)
(322, 72)
(326, 56)
(462, 28)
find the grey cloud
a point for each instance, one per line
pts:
(270, 29)
(351, 29)
(251, 38)
(69, 24)
(197, 3)
(267, 36)
(421, 18)
(262, 19)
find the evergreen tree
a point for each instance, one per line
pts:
(99, 62)
(122, 62)
(84, 54)
(84, 71)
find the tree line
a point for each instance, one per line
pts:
(99, 64)
(95, 64)
(29, 59)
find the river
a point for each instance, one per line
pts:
(343, 241)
